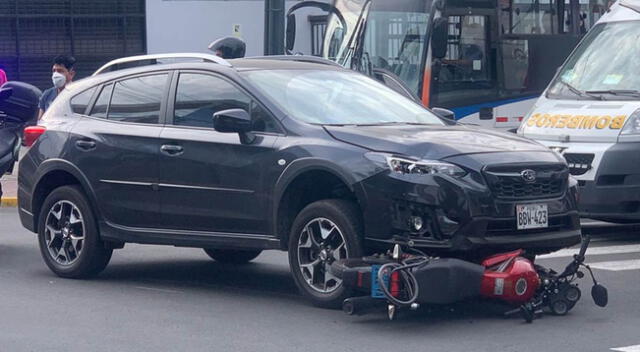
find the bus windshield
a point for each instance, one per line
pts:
(605, 66)
(392, 35)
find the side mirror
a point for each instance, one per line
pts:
(290, 39)
(444, 113)
(439, 37)
(232, 121)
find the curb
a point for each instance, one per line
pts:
(9, 202)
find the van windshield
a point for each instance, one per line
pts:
(605, 66)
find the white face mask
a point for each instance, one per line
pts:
(59, 80)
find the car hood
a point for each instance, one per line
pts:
(432, 142)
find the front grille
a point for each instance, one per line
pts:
(515, 189)
(579, 164)
(506, 181)
(509, 227)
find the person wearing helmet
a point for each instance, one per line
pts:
(229, 48)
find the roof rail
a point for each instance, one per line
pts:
(298, 58)
(113, 65)
(633, 5)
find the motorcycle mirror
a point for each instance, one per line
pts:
(600, 295)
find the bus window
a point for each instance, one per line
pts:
(465, 73)
(395, 41)
(515, 61)
(529, 17)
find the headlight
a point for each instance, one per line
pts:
(633, 124)
(406, 166)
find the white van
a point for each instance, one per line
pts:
(590, 113)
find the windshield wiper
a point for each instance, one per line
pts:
(578, 92)
(625, 92)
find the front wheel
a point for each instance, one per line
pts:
(324, 232)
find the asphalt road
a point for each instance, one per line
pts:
(154, 298)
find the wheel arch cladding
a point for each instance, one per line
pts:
(52, 175)
(303, 187)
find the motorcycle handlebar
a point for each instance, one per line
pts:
(583, 248)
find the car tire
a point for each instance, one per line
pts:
(68, 235)
(232, 256)
(323, 232)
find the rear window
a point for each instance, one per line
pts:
(80, 102)
(102, 103)
(138, 99)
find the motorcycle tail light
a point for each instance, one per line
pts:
(32, 133)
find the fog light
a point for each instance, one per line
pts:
(416, 223)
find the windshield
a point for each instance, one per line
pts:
(605, 66)
(337, 98)
(394, 36)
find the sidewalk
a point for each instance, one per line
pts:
(10, 185)
(9, 190)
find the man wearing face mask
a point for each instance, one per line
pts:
(62, 74)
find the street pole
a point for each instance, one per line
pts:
(274, 27)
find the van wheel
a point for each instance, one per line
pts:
(68, 235)
(323, 232)
(231, 256)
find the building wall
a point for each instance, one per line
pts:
(190, 25)
(33, 32)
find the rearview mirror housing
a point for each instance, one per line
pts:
(232, 121)
(444, 113)
(290, 33)
(439, 37)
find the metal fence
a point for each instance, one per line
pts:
(33, 32)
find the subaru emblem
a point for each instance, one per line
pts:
(529, 176)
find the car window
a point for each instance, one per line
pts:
(199, 96)
(80, 102)
(102, 103)
(138, 99)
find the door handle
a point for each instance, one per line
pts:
(85, 144)
(172, 150)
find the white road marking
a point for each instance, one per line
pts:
(156, 289)
(635, 348)
(631, 248)
(620, 265)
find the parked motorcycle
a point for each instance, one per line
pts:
(18, 109)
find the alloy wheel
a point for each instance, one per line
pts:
(64, 232)
(320, 244)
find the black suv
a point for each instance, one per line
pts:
(293, 154)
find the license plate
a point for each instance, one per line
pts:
(532, 216)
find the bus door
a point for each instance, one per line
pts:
(535, 37)
(464, 80)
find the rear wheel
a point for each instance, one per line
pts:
(232, 256)
(68, 235)
(324, 232)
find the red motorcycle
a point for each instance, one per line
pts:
(406, 280)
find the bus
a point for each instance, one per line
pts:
(485, 60)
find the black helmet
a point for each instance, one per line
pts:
(229, 47)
